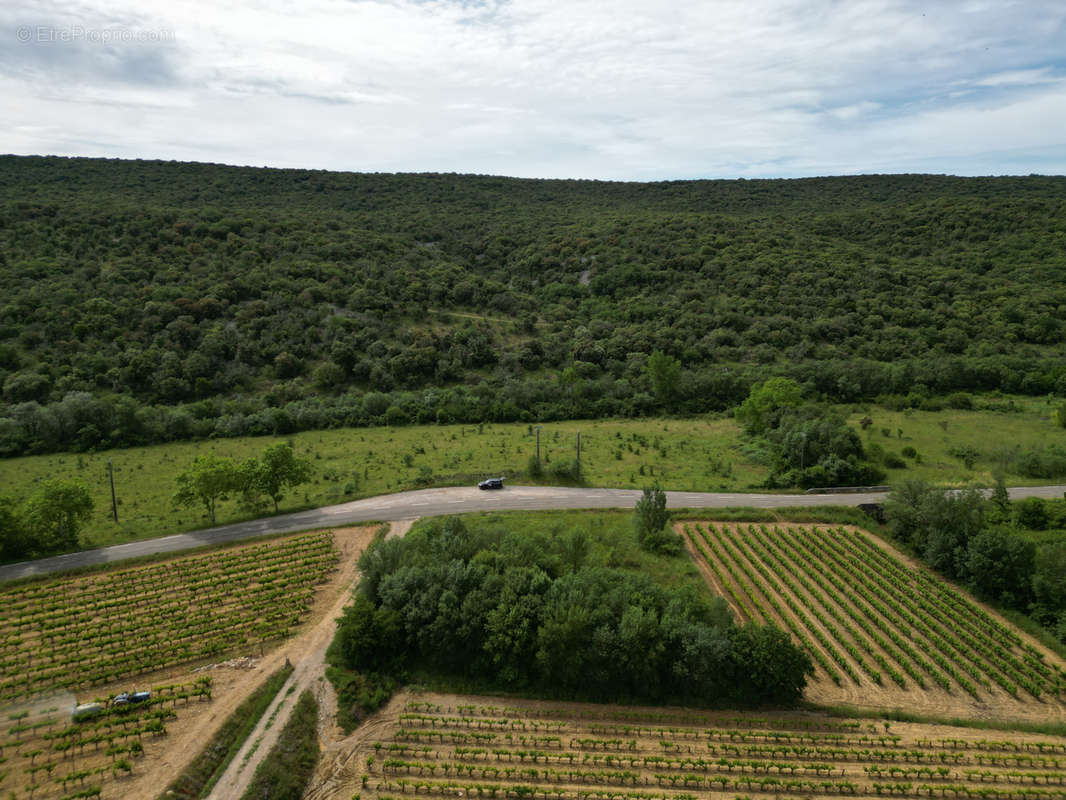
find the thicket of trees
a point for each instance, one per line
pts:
(49, 521)
(982, 543)
(523, 613)
(808, 444)
(149, 301)
(213, 478)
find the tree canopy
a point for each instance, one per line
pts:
(522, 612)
(153, 301)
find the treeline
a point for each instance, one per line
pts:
(526, 613)
(195, 299)
(82, 421)
(987, 545)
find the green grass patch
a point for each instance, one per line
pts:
(284, 773)
(680, 454)
(957, 447)
(203, 773)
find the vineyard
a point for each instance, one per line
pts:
(554, 752)
(73, 633)
(868, 619)
(48, 755)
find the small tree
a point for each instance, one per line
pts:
(650, 518)
(1000, 497)
(278, 469)
(207, 481)
(764, 404)
(15, 541)
(664, 372)
(57, 513)
(1032, 513)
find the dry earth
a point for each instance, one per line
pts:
(233, 685)
(340, 773)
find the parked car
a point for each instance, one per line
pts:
(491, 483)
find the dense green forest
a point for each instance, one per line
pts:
(565, 610)
(157, 301)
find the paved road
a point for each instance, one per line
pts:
(435, 502)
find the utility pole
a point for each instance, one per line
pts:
(114, 503)
(538, 447)
(579, 451)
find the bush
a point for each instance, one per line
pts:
(909, 452)
(565, 472)
(650, 518)
(1042, 462)
(534, 467)
(959, 400)
(967, 454)
(1031, 513)
(893, 461)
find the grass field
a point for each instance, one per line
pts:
(684, 454)
(881, 631)
(468, 746)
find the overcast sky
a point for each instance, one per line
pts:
(617, 89)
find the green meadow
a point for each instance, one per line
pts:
(681, 454)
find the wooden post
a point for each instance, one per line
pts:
(114, 503)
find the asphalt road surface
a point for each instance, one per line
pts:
(436, 502)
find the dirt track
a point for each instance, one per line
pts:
(232, 686)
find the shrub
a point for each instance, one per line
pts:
(959, 400)
(909, 452)
(1031, 513)
(893, 461)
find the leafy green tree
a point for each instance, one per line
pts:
(650, 520)
(278, 469)
(56, 513)
(937, 523)
(664, 372)
(15, 542)
(1049, 579)
(209, 479)
(765, 402)
(999, 502)
(1000, 566)
(766, 666)
(370, 638)
(1032, 513)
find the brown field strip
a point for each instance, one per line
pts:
(431, 746)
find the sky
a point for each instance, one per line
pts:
(614, 90)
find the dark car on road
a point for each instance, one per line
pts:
(491, 483)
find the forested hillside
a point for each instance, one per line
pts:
(152, 301)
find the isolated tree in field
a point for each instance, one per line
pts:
(278, 469)
(208, 480)
(650, 518)
(56, 514)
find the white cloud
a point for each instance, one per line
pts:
(624, 89)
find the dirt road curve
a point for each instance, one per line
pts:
(435, 502)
